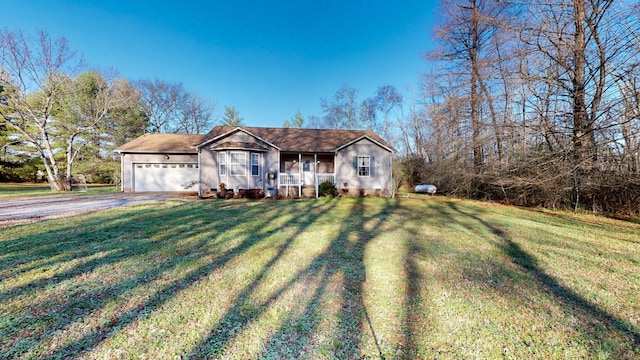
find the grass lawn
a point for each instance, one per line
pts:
(346, 278)
(13, 190)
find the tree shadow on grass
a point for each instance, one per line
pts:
(345, 258)
(243, 311)
(626, 230)
(112, 236)
(422, 247)
(342, 257)
(414, 300)
(34, 323)
(68, 304)
(199, 236)
(353, 322)
(600, 322)
(59, 242)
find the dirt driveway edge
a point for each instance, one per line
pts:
(31, 209)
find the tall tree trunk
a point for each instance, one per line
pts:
(582, 129)
(475, 94)
(497, 130)
(50, 163)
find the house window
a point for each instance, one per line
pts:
(364, 165)
(222, 161)
(238, 163)
(255, 164)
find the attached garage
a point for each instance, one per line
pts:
(164, 176)
(160, 162)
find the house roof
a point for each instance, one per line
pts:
(285, 139)
(163, 143)
(298, 140)
(239, 145)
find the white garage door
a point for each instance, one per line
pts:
(164, 177)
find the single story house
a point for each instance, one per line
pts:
(284, 161)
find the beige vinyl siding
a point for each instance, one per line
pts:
(379, 167)
(268, 161)
(239, 137)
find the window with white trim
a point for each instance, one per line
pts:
(238, 164)
(222, 161)
(255, 164)
(364, 165)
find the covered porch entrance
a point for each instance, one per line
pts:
(301, 173)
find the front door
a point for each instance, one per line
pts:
(308, 170)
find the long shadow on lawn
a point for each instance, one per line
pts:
(597, 316)
(117, 239)
(254, 235)
(413, 298)
(355, 233)
(71, 304)
(343, 256)
(419, 248)
(60, 314)
(58, 243)
(243, 311)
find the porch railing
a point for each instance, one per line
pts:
(288, 179)
(294, 179)
(322, 177)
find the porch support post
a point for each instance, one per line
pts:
(300, 175)
(315, 172)
(335, 172)
(122, 171)
(200, 194)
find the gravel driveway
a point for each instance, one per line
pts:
(36, 208)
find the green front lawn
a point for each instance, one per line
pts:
(345, 278)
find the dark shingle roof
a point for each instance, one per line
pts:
(305, 140)
(286, 139)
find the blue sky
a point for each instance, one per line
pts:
(269, 59)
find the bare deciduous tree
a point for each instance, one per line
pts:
(194, 115)
(34, 84)
(543, 111)
(50, 109)
(467, 53)
(170, 108)
(161, 101)
(341, 111)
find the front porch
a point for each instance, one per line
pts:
(304, 171)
